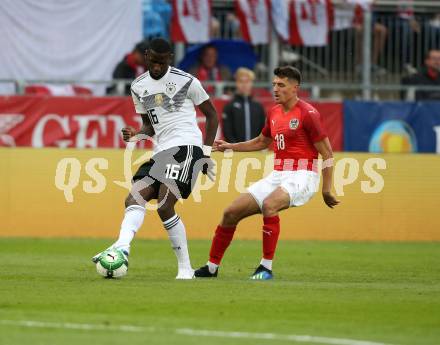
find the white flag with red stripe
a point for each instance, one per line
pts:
(349, 12)
(190, 22)
(254, 20)
(310, 22)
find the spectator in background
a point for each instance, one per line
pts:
(406, 27)
(231, 27)
(243, 118)
(432, 31)
(208, 68)
(380, 34)
(427, 76)
(131, 66)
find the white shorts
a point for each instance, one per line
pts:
(301, 185)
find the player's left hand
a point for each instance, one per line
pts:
(128, 134)
(329, 199)
(208, 168)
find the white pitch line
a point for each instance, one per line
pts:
(80, 326)
(190, 332)
(274, 336)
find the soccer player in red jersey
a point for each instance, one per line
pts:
(295, 127)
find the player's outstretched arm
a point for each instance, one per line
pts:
(325, 150)
(259, 143)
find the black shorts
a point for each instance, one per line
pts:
(177, 168)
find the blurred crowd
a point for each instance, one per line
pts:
(404, 46)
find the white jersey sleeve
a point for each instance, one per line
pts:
(140, 108)
(197, 93)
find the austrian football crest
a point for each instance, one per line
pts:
(293, 123)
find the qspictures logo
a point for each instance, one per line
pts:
(69, 171)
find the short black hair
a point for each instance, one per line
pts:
(160, 46)
(288, 72)
(209, 46)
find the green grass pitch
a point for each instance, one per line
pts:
(386, 293)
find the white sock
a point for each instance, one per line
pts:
(212, 267)
(266, 263)
(133, 219)
(177, 235)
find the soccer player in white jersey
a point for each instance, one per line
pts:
(166, 97)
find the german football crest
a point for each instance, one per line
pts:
(158, 99)
(170, 88)
(293, 123)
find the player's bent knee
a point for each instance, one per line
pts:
(166, 210)
(269, 208)
(129, 201)
(231, 216)
(228, 216)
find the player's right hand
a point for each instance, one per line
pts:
(221, 145)
(329, 199)
(128, 134)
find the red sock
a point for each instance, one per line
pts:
(271, 231)
(220, 242)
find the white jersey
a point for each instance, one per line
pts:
(169, 103)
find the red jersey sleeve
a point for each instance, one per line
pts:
(266, 129)
(313, 125)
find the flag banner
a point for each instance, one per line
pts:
(254, 20)
(66, 40)
(190, 22)
(280, 17)
(310, 22)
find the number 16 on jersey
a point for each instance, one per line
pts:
(153, 117)
(172, 171)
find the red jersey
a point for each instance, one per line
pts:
(294, 134)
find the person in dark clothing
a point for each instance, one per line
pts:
(429, 75)
(131, 66)
(243, 117)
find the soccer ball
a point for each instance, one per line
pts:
(112, 263)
